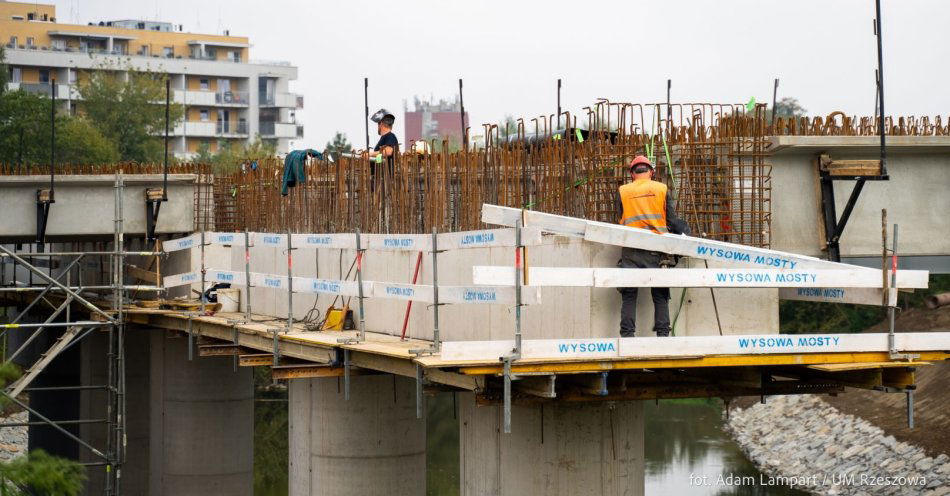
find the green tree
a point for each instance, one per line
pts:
(788, 107)
(4, 77)
(79, 142)
(127, 106)
(228, 157)
(37, 472)
(338, 145)
(25, 134)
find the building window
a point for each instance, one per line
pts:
(16, 18)
(16, 75)
(143, 50)
(29, 41)
(44, 75)
(236, 56)
(204, 84)
(204, 115)
(168, 52)
(13, 42)
(72, 76)
(59, 44)
(211, 53)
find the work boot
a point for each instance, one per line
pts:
(628, 334)
(662, 333)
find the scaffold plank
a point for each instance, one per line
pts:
(697, 278)
(675, 244)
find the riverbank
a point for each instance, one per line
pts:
(817, 448)
(13, 440)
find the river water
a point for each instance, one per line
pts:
(685, 443)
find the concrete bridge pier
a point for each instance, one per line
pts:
(369, 445)
(190, 424)
(564, 449)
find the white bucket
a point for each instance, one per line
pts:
(229, 299)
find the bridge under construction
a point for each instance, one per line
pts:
(507, 250)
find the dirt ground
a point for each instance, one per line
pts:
(931, 400)
(889, 410)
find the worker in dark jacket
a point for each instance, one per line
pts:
(387, 146)
(645, 204)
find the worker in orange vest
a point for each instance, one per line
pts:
(645, 204)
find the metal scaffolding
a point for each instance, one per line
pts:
(69, 288)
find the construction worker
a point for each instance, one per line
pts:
(387, 145)
(644, 204)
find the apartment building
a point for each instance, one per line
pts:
(228, 98)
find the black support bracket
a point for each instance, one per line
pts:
(44, 198)
(153, 204)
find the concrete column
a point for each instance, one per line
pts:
(562, 449)
(202, 423)
(370, 445)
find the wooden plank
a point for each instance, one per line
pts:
(141, 274)
(330, 286)
(462, 381)
(688, 346)
(899, 377)
(337, 241)
(310, 370)
(488, 238)
(272, 240)
(398, 291)
(383, 363)
(613, 234)
(855, 296)
(189, 241)
(542, 386)
(698, 278)
(710, 361)
(254, 336)
(181, 279)
(206, 350)
(863, 167)
(256, 360)
(474, 295)
(841, 367)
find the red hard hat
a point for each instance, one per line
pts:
(640, 159)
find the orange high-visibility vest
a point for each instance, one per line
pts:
(644, 205)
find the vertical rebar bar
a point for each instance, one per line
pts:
(247, 277)
(359, 281)
(436, 340)
(290, 284)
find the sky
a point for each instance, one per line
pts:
(511, 53)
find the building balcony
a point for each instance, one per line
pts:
(211, 99)
(123, 51)
(205, 98)
(231, 128)
(197, 129)
(231, 98)
(63, 91)
(273, 129)
(285, 100)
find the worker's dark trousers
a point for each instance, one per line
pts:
(633, 258)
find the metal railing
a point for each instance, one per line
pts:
(231, 97)
(231, 127)
(269, 128)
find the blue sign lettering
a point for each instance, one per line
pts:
(478, 238)
(600, 347)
